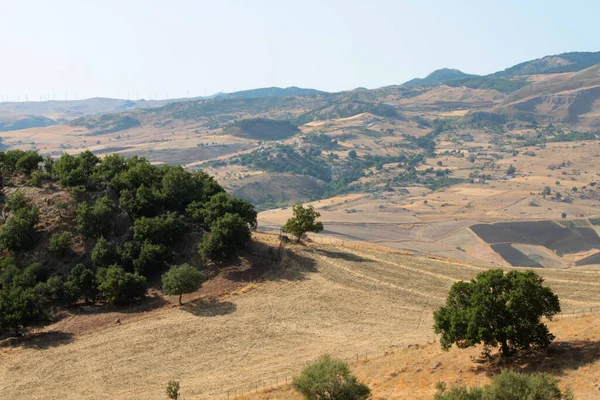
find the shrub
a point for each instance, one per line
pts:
(60, 243)
(16, 201)
(219, 205)
(55, 292)
(181, 279)
(119, 287)
(173, 390)
(95, 220)
(18, 232)
(227, 235)
(304, 220)
(145, 202)
(497, 308)
(151, 259)
(36, 178)
(83, 281)
(329, 378)
(28, 162)
(164, 229)
(508, 385)
(103, 254)
(21, 307)
(40, 272)
(75, 170)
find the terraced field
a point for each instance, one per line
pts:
(321, 299)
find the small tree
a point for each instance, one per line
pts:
(173, 390)
(95, 220)
(118, 286)
(511, 170)
(352, 154)
(181, 279)
(29, 162)
(83, 280)
(60, 243)
(329, 378)
(19, 230)
(227, 235)
(304, 220)
(21, 307)
(497, 308)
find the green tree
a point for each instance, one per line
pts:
(181, 279)
(95, 220)
(508, 385)
(16, 201)
(29, 162)
(547, 191)
(497, 308)
(164, 229)
(118, 286)
(103, 254)
(352, 154)
(219, 205)
(21, 307)
(304, 220)
(83, 280)
(18, 231)
(150, 260)
(227, 235)
(330, 379)
(60, 243)
(75, 170)
(511, 170)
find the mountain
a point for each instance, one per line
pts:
(570, 97)
(565, 62)
(269, 92)
(438, 76)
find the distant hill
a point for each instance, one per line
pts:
(565, 62)
(264, 129)
(269, 92)
(438, 76)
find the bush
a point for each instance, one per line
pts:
(16, 201)
(54, 292)
(21, 307)
(219, 205)
(227, 235)
(119, 287)
(75, 170)
(181, 279)
(40, 272)
(173, 390)
(150, 260)
(164, 229)
(95, 220)
(28, 162)
(497, 308)
(83, 281)
(103, 254)
(60, 243)
(36, 178)
(508, 385)
(18, 232)
(329, 378)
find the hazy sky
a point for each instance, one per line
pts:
(140, 47)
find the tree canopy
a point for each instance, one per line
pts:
(497, 308)
(304, 220)
(181, 279)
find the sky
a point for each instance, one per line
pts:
(148, 48)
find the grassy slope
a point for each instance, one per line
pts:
(323, 299)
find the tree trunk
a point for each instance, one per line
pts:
(180, 295)
(504, 348)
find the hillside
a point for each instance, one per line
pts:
(559, 63)
(270, 313)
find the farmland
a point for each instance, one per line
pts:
(317, 299)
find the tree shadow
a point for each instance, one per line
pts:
(148, 303)
(560, 357)
(209, 308)
(344, 256)
(39, 340)
(263, 262)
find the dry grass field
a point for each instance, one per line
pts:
(318, 299)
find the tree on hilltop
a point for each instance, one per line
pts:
(304, 220)
(497, 308)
